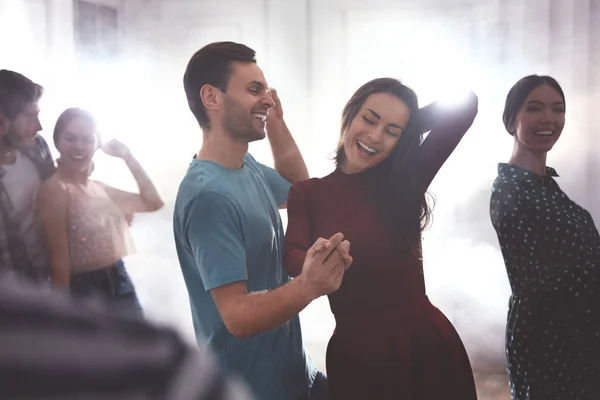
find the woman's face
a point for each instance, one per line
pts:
(541, 119)
(374, 132)
(77, 144)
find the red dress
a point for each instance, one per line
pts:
(390, 342)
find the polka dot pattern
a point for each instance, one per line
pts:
(551, 249)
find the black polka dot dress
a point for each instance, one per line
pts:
(551, 249)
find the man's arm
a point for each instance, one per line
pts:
(246, 314)
(287, 157)
(215, 238)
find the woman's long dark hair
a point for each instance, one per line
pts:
(404, 216)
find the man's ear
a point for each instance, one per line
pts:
(210, 97)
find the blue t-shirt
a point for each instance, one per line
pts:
(228, 229)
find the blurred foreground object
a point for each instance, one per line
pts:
(52, 348)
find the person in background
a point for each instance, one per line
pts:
(85, 220)
(551, 249)
(25, 162)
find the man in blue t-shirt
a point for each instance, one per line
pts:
(229, 235)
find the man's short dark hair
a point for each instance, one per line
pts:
(16, 91)
(211, 65)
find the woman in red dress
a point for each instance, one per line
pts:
(390, 342)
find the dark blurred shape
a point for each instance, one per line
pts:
(52, 348)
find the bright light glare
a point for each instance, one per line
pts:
(424, 57)
(447, 75)
(20, 50)
(106, 91)
(132, 105)
(454, 97)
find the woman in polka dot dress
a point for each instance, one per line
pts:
(551, 249)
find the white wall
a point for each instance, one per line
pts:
(24, 42)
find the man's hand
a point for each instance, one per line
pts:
(343, 249)
(324, 266)
(275, 113)
(286, 155)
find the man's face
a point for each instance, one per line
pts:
(23, 128)
(246, 103)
